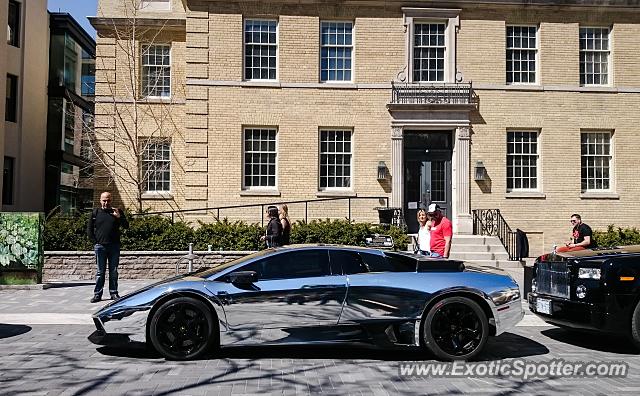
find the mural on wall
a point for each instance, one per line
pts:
(21, 240)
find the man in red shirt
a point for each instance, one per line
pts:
(441, 232)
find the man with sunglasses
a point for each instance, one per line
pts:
(581, 237)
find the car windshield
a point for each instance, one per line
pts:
(221, 267)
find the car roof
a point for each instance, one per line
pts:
(328, 246)
(603, 251)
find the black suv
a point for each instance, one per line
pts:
(595, 289)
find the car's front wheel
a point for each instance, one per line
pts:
(635, 326)
(182, 328)
(455, 328)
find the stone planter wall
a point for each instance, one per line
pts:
(71, 266)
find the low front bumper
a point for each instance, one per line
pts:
(131, 327)
(576, 314)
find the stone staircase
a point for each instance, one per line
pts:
(480, 250)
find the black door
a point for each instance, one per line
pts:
(427, 173)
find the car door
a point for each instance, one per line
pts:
(295, 288)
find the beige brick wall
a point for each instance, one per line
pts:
(207, 141)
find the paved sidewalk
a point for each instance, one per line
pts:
(56, 358)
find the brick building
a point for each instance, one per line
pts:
(530, 107)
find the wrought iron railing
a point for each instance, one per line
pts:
(219, 211)
(490, 222)
(420, 93)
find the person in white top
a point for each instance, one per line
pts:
(424, 233)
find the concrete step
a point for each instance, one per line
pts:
(468, 256)
(457, 248)
(495, 263)
(476, 240)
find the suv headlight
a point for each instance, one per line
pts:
(534, 285)
(589, 273)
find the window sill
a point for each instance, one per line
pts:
(599, 195)
(336, 193)
(525, 195)
(260, 193)
(157, 195)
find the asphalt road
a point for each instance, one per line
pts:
(44, 351)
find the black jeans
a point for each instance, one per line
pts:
(107, 252)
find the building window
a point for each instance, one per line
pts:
(260, 49)
(7, 181)
(428, 52)
(156, 71)
(521, 54)
(335, 159)
(522, 161)
(259, 158)
(595, 158)
(69, 126)
(336, 48)
(156, 166)
(11, 103)
(88, 75)
(13, 25)
(594, 56)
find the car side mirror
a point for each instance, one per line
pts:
(243, 277)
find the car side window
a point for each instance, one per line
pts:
(294, 264)
(347, 262)
(376, 262)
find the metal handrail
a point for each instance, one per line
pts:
(421, 93)
(490, 222)
(262, 206)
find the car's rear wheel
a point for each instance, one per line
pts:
(455, 328)
(635, 326)
(183, 328)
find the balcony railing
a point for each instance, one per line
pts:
(438, 94)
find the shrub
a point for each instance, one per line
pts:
(617, 236)
(158, 233)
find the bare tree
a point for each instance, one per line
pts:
(135, 96)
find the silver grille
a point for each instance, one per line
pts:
(553, 279)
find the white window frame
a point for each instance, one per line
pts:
(146, 159)
(609, 157)
(351, 47)
(451, 20)
(521, 49)
(142, 70)
(155, 5)
(536, 157)
(245, 44)
(609, 74)
(321, 153)
(244, 163)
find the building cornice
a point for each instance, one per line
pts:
(169, 24)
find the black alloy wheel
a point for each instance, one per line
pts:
(455, 328)
(183, 328)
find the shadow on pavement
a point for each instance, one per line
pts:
(58, 285)
(596, 341)
(11, 330)
(509, 345)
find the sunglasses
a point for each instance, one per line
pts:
(573, 221)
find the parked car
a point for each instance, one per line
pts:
(595, 289)
(317, 293)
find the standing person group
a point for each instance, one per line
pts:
(278, 231)
(103, 230)
(434, 233)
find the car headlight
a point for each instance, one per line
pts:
(505, 296)
(589, 273)
(534, 286)
(581, 291)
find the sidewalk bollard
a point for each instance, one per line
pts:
(209, 247)
(191, 257)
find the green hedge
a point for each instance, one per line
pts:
(616, 236)
(158, 233)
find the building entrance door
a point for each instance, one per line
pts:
(427, 173)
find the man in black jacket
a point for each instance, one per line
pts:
(104, 231)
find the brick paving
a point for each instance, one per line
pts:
(57, 359)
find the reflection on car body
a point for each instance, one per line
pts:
(319, 293)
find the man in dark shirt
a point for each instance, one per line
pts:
(104, 231)
(582, 236)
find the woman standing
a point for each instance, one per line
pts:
(424, 233)
(286, 225)
(273, 233)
